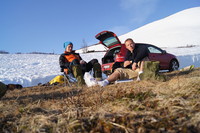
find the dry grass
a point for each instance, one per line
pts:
(145, 106)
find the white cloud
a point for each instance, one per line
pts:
(139, 10)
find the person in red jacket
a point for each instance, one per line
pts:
(71, 62)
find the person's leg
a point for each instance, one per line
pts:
(125, 73)
(141, 67)
(117, 65)
(90, 64)
(120, 73)
(97, 71)
(83, 68)
(75, 62)
(77, 72)
(113, 77)
(96, 68)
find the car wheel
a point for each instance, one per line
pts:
(174, 65)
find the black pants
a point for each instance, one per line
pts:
(88, 66)
(85, 67)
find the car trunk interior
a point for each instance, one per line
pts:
(110, 56)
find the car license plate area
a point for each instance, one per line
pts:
(106, 67)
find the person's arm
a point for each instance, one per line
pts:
(127, 60)
(127, 63)
(134, 66)
(142, 52)
(63, 62)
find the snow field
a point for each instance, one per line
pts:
(31, 69)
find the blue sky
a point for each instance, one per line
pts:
(44, 25)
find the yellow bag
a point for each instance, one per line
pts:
(57, 79)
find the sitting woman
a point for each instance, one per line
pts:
(71, 62)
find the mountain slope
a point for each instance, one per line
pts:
(177, 30)
(180, 29)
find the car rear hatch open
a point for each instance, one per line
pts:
(108, 39)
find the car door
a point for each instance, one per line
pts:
(157, 54)
(108, 39)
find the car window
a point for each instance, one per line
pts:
(154, 50)
(110, 41)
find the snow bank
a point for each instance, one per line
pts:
(31, 69)
(186, 60)
(28, 69)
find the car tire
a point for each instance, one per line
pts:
(174, 65)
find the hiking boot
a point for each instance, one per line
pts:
(103, 83)
(77, 72)
(97, 71)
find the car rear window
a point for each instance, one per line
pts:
(110, 41)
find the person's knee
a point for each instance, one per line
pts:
(93, 61)
(91, 64)
(76, 70)
(118, 71)
(75, 62)
(141, 64)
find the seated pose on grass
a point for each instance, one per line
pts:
(133, 64)
(71, 62)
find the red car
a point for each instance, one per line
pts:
(115, 55)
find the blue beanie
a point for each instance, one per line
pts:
(67, 43)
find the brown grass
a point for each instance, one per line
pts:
(145, 106)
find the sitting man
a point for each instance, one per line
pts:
(71, 62)
(133, 64)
